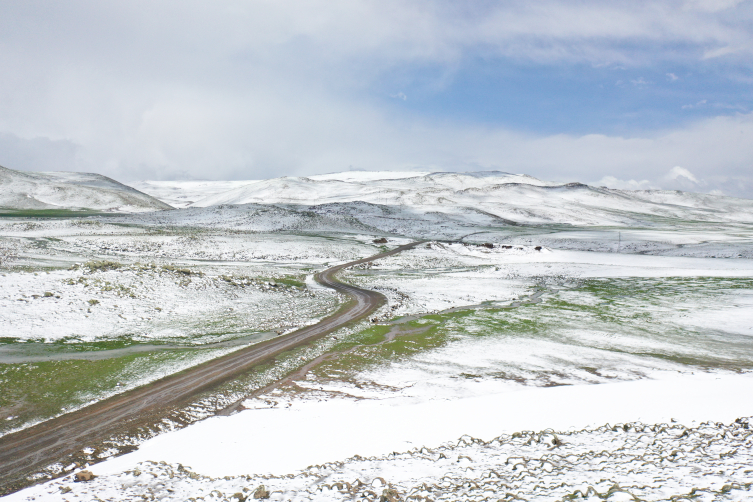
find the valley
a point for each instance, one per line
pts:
(516, 312)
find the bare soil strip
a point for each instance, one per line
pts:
(25, 452)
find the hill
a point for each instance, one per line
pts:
(498, 196)
(71, 191)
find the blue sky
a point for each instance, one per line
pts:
(628, 94)
(573, 99)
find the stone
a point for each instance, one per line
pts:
(389, 495)
(261, 493)
(84, 476)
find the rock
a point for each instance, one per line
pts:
(239, 496)
(489, 245)
(389, 495)
(537, 248)
(383, 240)
(261, 493)
(65, 489)
(84, 476)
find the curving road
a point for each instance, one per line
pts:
(27, 451)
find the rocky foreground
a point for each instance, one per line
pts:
(631, 461)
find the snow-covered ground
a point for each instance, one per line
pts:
(180, 194)
(70, 191)
(586, 442)
(108, 306)
(601, 347)
(492, 196)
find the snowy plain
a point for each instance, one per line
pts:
(602, 337)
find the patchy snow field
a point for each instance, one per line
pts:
(596, 343)
(106, 307)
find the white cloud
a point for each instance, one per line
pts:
(672, 77)
(678, 173)
(612, 182)
(711, 5)
(699, 103)
(236, 89)
(679, 178)
(722, 51)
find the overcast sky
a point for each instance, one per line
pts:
(628, 94)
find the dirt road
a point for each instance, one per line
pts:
(27, 451)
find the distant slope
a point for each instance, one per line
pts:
(71, 191)
(180, 194)
(499, 196)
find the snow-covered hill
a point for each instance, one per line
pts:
(65, 190)
(478, 198)
(180, 194)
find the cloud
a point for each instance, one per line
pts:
(266, 134)
(236, 89)
(722, 51)
(679, 178)
(681, 174)
(37, 154)
(672, 77)
(712, 5)
(700, 103)
(612, 182)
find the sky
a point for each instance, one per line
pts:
(623, 94)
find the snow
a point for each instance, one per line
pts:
(592, 307)
(361, 176)
(377, 445)
(340, 425)
(63, 190)
(180, 194)
(490, 195)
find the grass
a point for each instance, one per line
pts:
(289, 281)
(47, 213)
(632, 319)
(101, 265)
(41, 390)
(371, 349)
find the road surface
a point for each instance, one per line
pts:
(30, 450)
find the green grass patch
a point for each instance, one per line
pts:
(48, 213)
(371, 349)
(630, 319)
(42, 390)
